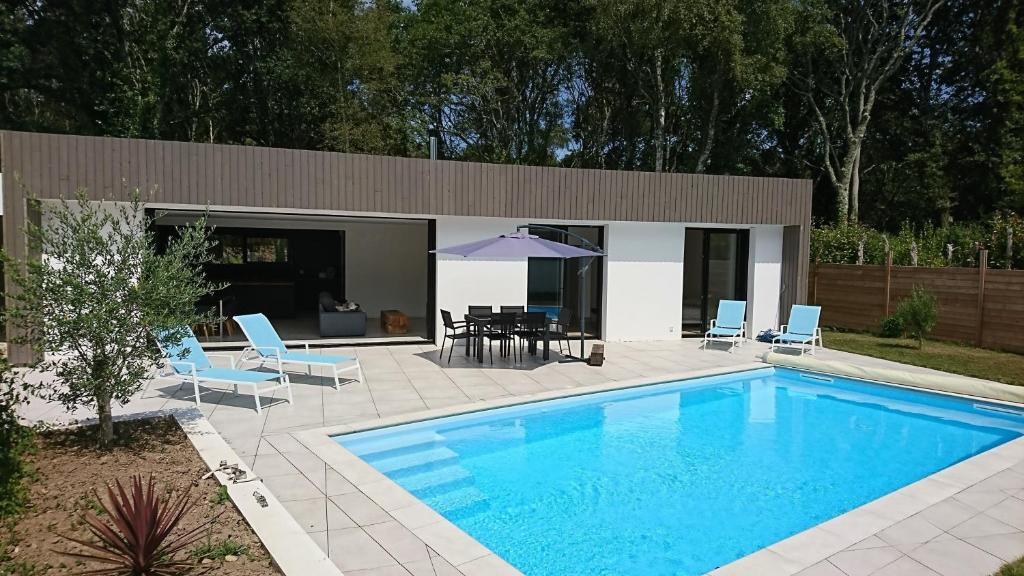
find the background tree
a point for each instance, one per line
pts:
(345, 57)
(663, 85)
(988, 84)
(93, 300)
(920, 103)
(851, 50)
(490, 75)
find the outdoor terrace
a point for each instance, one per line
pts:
(972, 530)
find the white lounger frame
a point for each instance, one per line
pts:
(804, 346)
(335, 370)
(283, 381)
(735, 340)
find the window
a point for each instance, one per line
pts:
(554, 283)
(230, 249)
(241, 249)
(266, 250)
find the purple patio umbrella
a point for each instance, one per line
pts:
(524, 245)
(517, 245)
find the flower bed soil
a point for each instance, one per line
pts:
(69, 474)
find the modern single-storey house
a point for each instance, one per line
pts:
(292, 225)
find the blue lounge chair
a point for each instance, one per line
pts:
(729, 326)
(802, 331)
(265, 345)
(190, 363)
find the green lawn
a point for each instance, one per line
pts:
(948, 357)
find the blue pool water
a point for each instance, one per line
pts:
(676, 478)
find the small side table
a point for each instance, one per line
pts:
(394, 322)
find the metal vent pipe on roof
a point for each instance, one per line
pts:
(433, 133)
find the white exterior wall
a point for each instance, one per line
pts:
(386, 266)
(478, 281)
(643, 281)
(764, 278)
(120, 212)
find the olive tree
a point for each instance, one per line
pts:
(15, 444)
(93, 295)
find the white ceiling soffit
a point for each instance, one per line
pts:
(269, 220)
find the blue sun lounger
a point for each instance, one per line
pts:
(802, 331)
(729, 326)
(190, 363)
(266, 346)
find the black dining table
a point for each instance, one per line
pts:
(477, 326)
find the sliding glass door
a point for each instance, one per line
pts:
(714, 269)
(553, 283)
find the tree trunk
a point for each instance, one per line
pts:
(709, 139)
(106, 431)
(842, 202)
(659, 130)
(854, 214)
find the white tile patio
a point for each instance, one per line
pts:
(367, 530)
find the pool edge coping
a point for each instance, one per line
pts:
(290, 547)
(785, 557)
(817, 543)
(804, 549)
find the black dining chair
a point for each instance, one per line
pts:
(502, 329)
(481, 311)
(531, 328)
(559, 329)
(477, 328)
(513, 309)
(453, 331)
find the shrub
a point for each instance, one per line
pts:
(137, 539)
(892, 327)
(1006, 224)
(1015, 568)
(840, 244)
(918, 314)
(16, 441)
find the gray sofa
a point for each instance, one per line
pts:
(334, 323)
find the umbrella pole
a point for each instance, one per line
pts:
(580, 292)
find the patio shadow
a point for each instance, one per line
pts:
(459, 359)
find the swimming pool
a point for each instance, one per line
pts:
(681, 477)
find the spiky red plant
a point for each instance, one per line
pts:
(137, 540)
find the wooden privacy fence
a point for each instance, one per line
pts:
(981, 306)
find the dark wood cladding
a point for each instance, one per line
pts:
(222, 175)
(795, 264)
